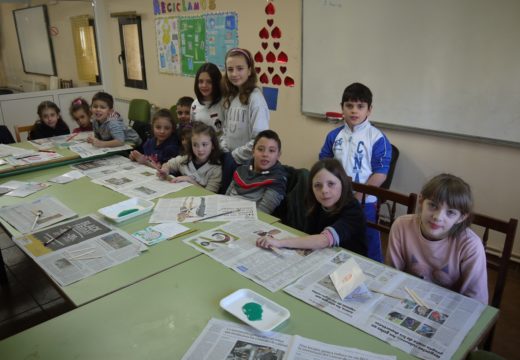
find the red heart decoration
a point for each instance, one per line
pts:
(282, 58)
(277, 80)
(270, 69)
(270, 57)
(276, 45)
(257, 69)
(276, 33)
(264, 45)
(269, 9)
(258, 57)
(289, 81)
(270, 22)
(283, 69)
(264, 79)
(264, 34)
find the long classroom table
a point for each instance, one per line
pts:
(85, 197)
(160, 317)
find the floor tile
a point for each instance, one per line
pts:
(5, 241)
(14, 299)
(57, 307)
(22, 322)
(35, 282)
(13, 255)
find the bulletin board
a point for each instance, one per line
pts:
(446, 66)
(185, 43)
(35, 45)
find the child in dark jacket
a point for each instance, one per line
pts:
(49, 123)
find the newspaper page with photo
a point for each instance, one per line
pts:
(198, 208)
(225, 340)
(136, 180)
(86, 150)
(234, 245)
(37, 214)
(384, 308)
(74, 250)
(102, 167)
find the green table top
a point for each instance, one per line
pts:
(160, 317)
(85, 197)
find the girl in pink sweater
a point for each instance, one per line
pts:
(437, 244)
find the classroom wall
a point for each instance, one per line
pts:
(491, 170)
(11, 67)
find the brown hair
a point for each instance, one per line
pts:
(455, 193)
(229, 91)
(335, 168)
(203, 129)
(79, 104)
(44, 105)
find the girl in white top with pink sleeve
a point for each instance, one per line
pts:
(437, 244)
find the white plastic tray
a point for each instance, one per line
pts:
(255, 310)
(116, 211)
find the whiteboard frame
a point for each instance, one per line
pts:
(35, 45)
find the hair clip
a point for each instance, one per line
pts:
(77, 101)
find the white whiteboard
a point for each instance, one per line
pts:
(449, 66)
(33, 39)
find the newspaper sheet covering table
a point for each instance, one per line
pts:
(224, 340)
(8, 150)
(24, 217)
(432, 332)
(197, 208)
(102, 167)
(136, 180)
(74, 250)
(63, 141)
(32, 158)
(234, 245)
(86, 150)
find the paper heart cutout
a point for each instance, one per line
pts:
(277, 80)
(257, 69)
(258, 57)
(270, 57)
(283, 69)
(270, 69)
(269, 9)
(276, 33)
(264, 79)
(264, 34)
(276, 45)
(288, 81)
(264, 45)
(270, 22)
(282, 57)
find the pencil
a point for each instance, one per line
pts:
(276, 251)
(387, 294)
(415, 297)
(58, 236)
(38, 214)
(214, 216)
(72, 137)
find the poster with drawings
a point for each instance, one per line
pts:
(168, 52)
(221, 36)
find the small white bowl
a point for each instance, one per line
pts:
(255, 309)
(127, 209)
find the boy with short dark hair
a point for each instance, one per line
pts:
(263, 179)
(183, 110)
(364, 151)
(109, 127)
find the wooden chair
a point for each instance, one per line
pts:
(18, 129)
(66, 84)
(389, 199)
(499, 262)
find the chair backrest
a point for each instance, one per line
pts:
(388, 181)
(5, 135)
(386, 198)
(18, 129)
(139, 110)
(291, 210)
(499, 262)
(173, 110)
